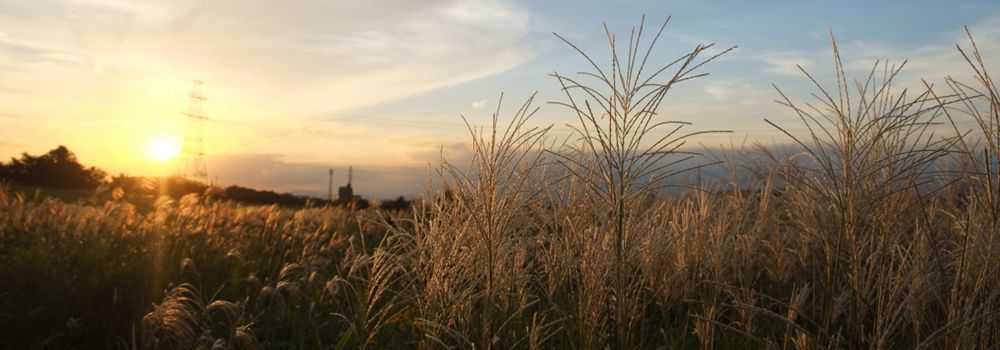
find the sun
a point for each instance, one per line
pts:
(163, 148)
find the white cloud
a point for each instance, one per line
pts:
(787, 62)
(726, 90)
(479, 104)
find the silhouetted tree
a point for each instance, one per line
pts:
(177, 187)
(252, 196)
(398, 204)
(58, 168)
(134, 184)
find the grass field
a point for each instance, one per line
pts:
(880, 231)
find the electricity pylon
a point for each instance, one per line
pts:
(192, 162)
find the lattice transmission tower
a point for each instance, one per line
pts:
(192, 162)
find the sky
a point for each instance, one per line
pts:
(296, 87)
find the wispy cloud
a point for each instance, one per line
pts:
(479, 104)
(786, 62)
(930, 59)
(267, 64)
(343, 54)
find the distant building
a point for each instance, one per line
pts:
(345, 194)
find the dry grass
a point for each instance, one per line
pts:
(878, 231)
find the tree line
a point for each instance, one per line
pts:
(59, 168)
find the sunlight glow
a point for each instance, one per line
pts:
(163, 148)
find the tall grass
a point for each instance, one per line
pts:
(878, 230)
(973, 292)
(622, 158)
(868, 157)
(470, 247)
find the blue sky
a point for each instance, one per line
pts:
(296, 87)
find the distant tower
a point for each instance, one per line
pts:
(192, 162)
(345, 194)
(329, 191)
